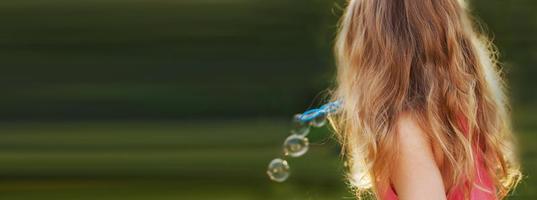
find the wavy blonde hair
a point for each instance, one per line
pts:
(423, 57)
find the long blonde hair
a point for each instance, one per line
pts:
(427, 58)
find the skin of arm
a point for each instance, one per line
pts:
(416, 176)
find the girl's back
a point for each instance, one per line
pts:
(422, 57)
(482, 187)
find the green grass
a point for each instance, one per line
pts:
(160, 160)
(175, 160)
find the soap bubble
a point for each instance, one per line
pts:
(300, 127)
(278, 170)
(319, 120)
(295, 145)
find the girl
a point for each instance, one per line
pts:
(423, 115)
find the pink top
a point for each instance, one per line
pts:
(482, 187)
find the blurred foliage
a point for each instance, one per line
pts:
(162, 59)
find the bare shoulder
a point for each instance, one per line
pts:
(409, 131)
(415, 170)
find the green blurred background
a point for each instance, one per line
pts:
(190, 99)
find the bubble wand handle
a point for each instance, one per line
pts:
(311, 114)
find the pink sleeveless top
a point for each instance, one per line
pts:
(482, 188)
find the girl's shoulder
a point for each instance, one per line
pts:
(415, 158)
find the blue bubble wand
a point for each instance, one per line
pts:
(297, 143)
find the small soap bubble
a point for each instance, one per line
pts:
(300, 127)
(319, 120)
(295, 145)
(332, 108)
(278, 170)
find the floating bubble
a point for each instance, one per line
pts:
(319, 120)
(300, 127)
(295, 145)
(278, 170)
(331, 107)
